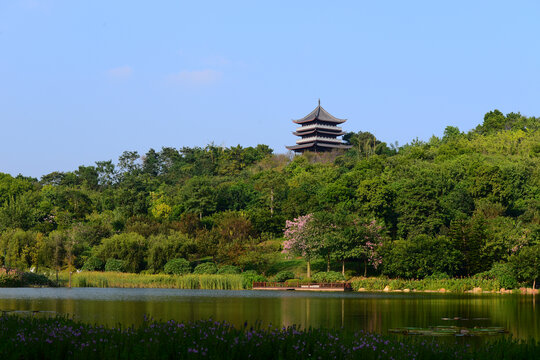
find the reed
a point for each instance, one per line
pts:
(128, 280)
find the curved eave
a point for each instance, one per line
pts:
(325, 132)
(334, 146)
(303, 121)
(312, 144)
(319, 114)
(299, 147)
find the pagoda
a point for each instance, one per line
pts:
(318, 132)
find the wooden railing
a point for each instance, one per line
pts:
(344, 286)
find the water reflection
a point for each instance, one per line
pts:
(354, 311)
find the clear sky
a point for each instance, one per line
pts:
(82, 81)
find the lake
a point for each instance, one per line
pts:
(376, 312)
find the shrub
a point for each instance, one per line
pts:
(23, 279)
(502, 272)
(29, 278)
(438, 276)
(283, 276)
(330, 276)
(162, 248)
(251, 276)
(205, 268)
(115, 265)
(8, 280)
(228, 270)
(93, 264)
(293, 282)
(177, 267)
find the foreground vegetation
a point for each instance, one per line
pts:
(60, 338)
(458, 205)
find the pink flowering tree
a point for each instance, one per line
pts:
(299, 240)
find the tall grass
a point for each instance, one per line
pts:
(128, 280)
(454, 285)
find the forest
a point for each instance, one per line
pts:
(458, 205)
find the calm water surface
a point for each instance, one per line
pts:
(376, 312)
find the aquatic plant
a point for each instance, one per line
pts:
(60, 338)
(128, 280)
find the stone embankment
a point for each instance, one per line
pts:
(476, 290)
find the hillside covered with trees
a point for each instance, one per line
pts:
(456, 205)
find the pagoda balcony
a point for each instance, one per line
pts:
(319, 138)
(318, 126)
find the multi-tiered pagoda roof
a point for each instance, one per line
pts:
(318, 132)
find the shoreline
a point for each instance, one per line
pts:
(240, 282)
(520, 291)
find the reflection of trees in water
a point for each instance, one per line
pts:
(371, 312)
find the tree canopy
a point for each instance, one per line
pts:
(457, 204)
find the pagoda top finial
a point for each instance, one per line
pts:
(321, 114)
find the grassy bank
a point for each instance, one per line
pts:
(452, 285)
(60, 338)
(241, 282)
(128, 280)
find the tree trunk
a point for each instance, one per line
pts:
(69, 280)
(308, 269)
(271, 202)
(343, 267)
(534, 283)
(328, 264)
(56, 276)
(365, 268)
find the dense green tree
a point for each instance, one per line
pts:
(129, 247)
(19, 249)
(526, 264)
(199, 196)
(469, 237)
(420, 256)
(19, 212)
(162, 248)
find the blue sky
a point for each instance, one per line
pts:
(82, 81)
